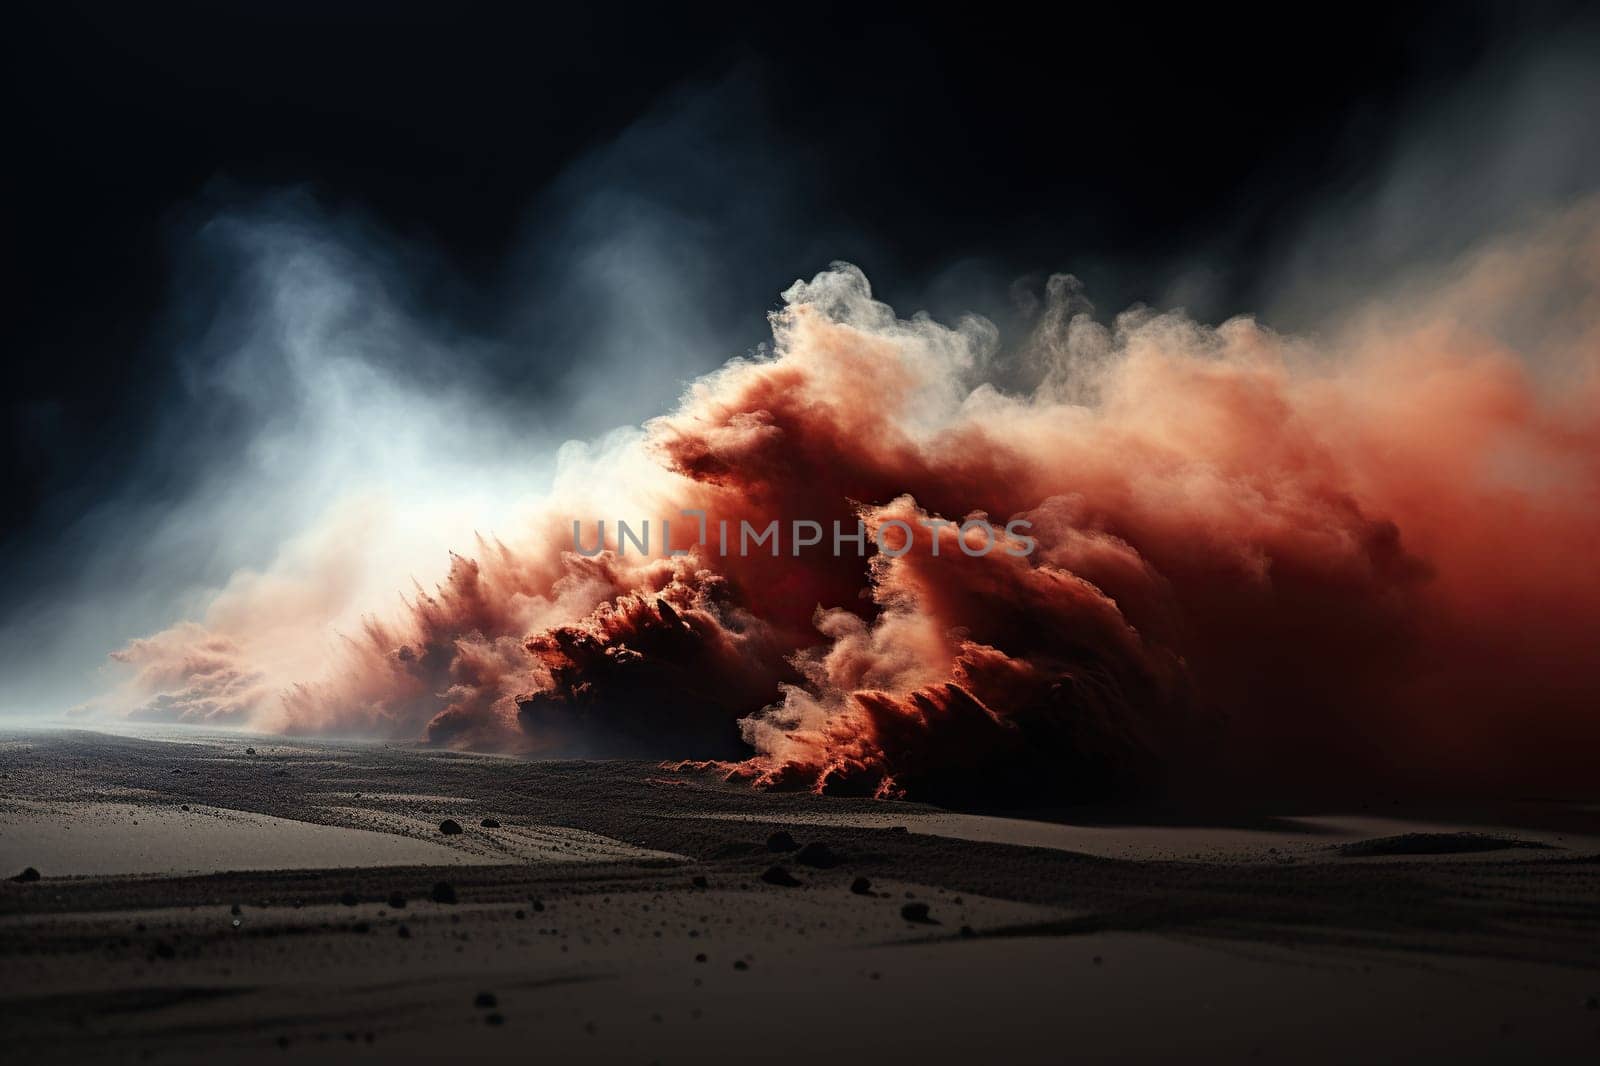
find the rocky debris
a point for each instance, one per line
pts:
(861, 886)
(917, 912)
(490, 823)
(777, 875)
(817, 854)
(249, 751)
(449, 827)
(397, 901)
(30, 874)
(485, 1000)
(781, 841)
(444, 892)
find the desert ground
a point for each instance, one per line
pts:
(180, 897)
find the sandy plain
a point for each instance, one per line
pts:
(275, 900)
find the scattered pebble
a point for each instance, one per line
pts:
(487, 823)
(397, 901)
(444, 892)
(777, 875)
(485, 1000)
(817, 854)
(449, 827)
(781, 841)
(917, 912)
(861, 886)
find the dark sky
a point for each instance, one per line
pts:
(476, 145)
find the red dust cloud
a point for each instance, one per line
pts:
(1363, 557)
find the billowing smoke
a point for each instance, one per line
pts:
(1254, 557)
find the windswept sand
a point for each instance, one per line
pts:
(1272, 838)
(260, 920)
(74, 839)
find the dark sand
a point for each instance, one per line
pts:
(579, 922)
